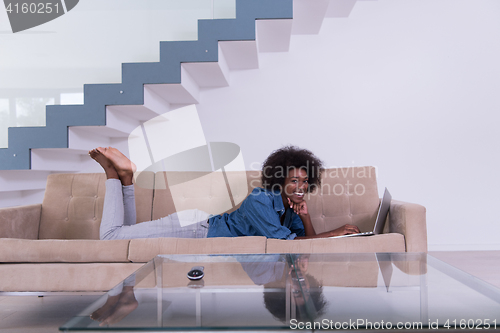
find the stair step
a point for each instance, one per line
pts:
(138, 112)
(22, 180)
(154, 102)
(308, 16)
(240, 54)
(186, 92)
(118, 125)
(62, 160)
(273, 35)
(209, 74)
(340, 8)
(82, 139)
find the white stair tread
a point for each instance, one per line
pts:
(20, 180)
(340, 8)
(273, 35)
(240, 54)
(308, 16)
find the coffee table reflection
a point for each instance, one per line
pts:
(284, 291)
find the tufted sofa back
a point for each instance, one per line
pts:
(72, 206)
(347, 196)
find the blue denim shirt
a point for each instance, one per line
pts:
(264, 269)
(258, 215)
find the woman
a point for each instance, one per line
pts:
(277, 210)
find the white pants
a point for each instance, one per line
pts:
(119, 218)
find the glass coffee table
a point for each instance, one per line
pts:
(274, 292)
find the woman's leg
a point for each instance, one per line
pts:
(185, 224)
(118, 219)
(113, 212)
(121, 301)
(113, 209)
(130, 216)
(118, 166)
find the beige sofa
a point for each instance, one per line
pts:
(54, 246)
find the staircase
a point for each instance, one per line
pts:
(111, 111)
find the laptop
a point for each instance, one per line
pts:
(381, 217)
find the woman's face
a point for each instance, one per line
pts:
(300, 282)
(295, 186)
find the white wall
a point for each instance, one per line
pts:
(410, 86)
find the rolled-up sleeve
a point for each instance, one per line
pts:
(260, 214)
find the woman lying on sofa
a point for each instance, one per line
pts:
(277, 210)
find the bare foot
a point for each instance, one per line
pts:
(106, 164)
(125, 305)
(123, 166)
(106, 310)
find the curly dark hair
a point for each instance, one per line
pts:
(275, 302)
(281, 161)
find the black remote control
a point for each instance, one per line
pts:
(196, 273)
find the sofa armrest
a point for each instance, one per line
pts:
(409, 219)
(20, 222)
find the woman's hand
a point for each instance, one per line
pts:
(299, 208)
(344, 230)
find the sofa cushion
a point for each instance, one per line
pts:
(143, 250)
(20, 222)
(64, 277)
(346, 196)
(72, 205)
(344, 272)
(377, 243)
(207, 191)
(22, 250)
